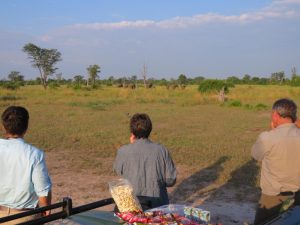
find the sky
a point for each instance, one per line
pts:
(210, 38)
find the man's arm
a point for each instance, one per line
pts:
(258, 149)
(118, 164)
(170, 170)
(45, 201)
(42, 183)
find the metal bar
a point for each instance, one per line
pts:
(66, 211)
(32, 212)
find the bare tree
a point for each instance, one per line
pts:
(294, 72)
(144, 74)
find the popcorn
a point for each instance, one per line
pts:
(124, 197)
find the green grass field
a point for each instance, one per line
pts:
(86, 127)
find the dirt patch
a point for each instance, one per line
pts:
(228, 204)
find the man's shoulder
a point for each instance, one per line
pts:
(142, 144)
(33, 150)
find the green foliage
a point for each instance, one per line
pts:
(11, 85)
(261, 106)
(9, 98)
(16, 77)
(93, 71)
(208, 86)
(235, 103)
(54, 85)
(278, 77)
(182, 79)
(295, 82)
(43, 59)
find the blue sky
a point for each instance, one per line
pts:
(215, 38)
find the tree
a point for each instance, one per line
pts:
(93, 71)
(15, 76)
(182, 79)
(215, 86)
(294, 72)
(233, 80)
(246, 79)
(78, 79)
(278, 77)
(144, 75)
(43, 59)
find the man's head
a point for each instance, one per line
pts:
(284, 111)
(15, 120)
(140, 125)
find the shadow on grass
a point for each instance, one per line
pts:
(198, 181)
(241, 186)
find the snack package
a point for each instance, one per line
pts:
(122, 192)
(194, 214)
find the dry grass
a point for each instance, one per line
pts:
(83, 129)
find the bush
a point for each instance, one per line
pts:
(208, 86)
(235, 103)
(261, 106)
(295, 82)
(11, 85)
(53, 85)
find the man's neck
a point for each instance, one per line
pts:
(284, 121)
(13, 136)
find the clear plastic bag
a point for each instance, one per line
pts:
(123, 194)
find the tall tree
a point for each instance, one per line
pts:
(93, 71)
(43, 59)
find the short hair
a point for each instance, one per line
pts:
(140, 125)
(286, 108)
(15, 120)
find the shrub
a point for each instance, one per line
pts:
(235, 103)
(208, 86)
(11, 85)
(53, 85)
(260, 106)
(295, 82)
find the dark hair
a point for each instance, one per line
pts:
(15, 120)
(140, 125)
(286, 108)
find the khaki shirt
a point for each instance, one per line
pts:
(279, 152)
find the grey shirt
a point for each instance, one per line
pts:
(149, 168)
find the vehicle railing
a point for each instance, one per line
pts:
(66, 211)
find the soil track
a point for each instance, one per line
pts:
(226, 202)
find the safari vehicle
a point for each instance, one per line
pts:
(64, 213)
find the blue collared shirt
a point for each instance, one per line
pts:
(23, 174)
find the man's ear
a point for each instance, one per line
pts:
(132, 138)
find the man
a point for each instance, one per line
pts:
(279, 152)
(24, 180)
(147, 165)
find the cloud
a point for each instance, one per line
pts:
(277, 9)
(286, 2)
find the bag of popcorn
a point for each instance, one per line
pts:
(122, 192)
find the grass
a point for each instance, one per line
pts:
(87, 127)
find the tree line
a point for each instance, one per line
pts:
(45, 60)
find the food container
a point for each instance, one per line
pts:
(123, 194)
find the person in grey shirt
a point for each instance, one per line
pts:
(147, 165)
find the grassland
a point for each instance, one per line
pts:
(209, 142)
